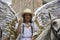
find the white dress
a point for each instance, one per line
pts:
(27, 32)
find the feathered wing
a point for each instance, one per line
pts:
(7, 15)
(52, 7)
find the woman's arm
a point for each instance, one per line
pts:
(18, 29)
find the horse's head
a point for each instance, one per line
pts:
(55, 26)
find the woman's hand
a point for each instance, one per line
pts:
(20, 21)
(33, 38)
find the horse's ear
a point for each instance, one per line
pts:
(52, 17)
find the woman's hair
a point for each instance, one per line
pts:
(24, 18)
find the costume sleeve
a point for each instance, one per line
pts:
(35, 29)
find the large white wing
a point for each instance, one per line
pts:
(7, 15)
(43, 12)
(53, 8)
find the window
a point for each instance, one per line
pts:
(46, 1)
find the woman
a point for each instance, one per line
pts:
(27, 29)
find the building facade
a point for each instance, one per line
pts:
(20, 5)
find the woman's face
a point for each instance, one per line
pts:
(27, 17)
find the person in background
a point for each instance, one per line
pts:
(27, 30)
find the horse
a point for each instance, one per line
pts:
(52, 32)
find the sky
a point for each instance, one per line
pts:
(9, 2)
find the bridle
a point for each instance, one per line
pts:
(53, 30)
